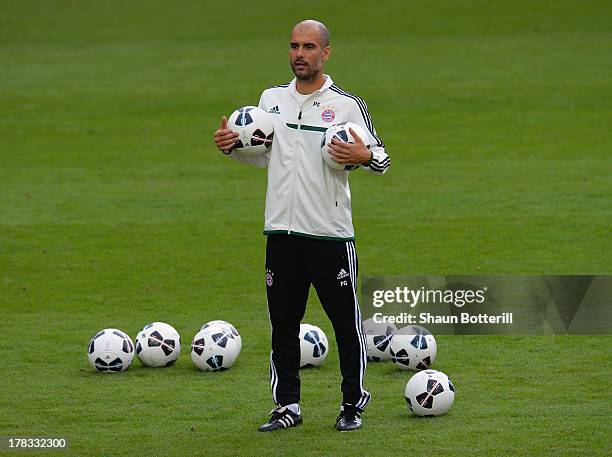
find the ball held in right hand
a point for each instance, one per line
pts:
(255, 129)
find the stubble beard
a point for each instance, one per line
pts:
(308, 75)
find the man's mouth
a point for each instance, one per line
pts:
(300, 65)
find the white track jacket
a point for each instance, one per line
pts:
(305, 196)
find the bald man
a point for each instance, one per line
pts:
(308, 222)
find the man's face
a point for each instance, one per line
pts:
(307, 54)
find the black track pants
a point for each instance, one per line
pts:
(293, 263)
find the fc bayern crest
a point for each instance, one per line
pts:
(269, 278)
(328, 115)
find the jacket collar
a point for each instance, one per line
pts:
(326, 85)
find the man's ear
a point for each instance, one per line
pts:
(326, 53)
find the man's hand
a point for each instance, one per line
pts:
(348, 153)
(225, 138)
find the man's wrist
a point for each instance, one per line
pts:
(369, 161)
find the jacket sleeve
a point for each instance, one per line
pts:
(259, 160)
(380, 162)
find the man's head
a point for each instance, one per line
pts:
(309, 49)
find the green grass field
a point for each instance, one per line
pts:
(117, 210)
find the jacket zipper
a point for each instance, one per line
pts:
(335, 189)
(299, 126)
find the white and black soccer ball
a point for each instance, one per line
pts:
(342, 133)
(232, 329)
(313, 346)
(214, 348)
(413, 348)
(378, 338)
(110, 350)
(255, 128)
(158, 345)
(429, 393)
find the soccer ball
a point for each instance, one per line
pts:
(342, 133)
(158, 345)
(110, 350)
(413, 348)
(254, 127)
(214, 348)
(378, 338)
(232, 329)
(313, 346)
(429, 393)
